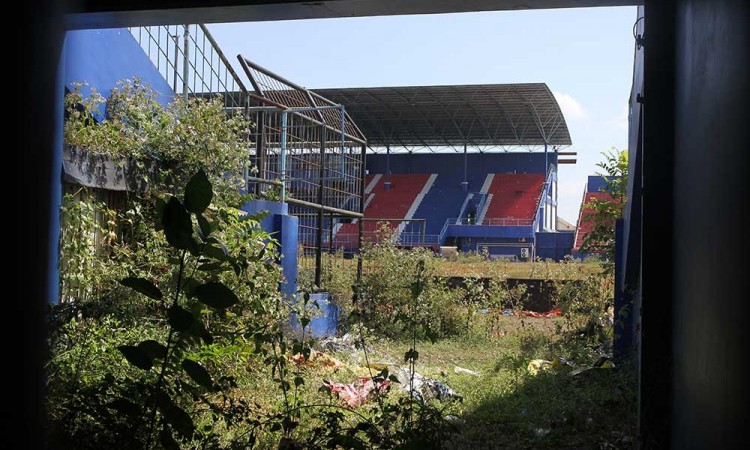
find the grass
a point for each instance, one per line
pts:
(507, 407)
(478, 267)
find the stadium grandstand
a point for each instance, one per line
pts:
(470, 166)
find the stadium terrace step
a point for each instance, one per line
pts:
(393, 203)
(514, 196)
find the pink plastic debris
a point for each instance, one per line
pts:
(357, 393)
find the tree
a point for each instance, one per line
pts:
(602, 212)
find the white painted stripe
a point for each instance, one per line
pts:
(336, 228)
(487, 183)
(485, 188)
(417, 201)
(463, 207)
(369, 199)
(480, 219)
(373, 183)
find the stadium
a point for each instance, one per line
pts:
(468, 168)
(330, 175)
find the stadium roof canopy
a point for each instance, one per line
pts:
(483, 117)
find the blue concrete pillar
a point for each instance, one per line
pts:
(287, 236)
(283, 228)
(623, 341)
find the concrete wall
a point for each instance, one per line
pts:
(694, 197)
(554, 245)
(710, 195)
(101, 58)
(452, 164)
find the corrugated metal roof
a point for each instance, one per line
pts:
(482, 116)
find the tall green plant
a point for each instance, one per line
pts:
(601, 238)
(180, 138)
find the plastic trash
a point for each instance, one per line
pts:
(537, 365)
(454, 420)
(461, 370)
(357, 393)
(425, 388)
(344, 344)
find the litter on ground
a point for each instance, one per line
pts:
(425, 388)
(538, 365)
(461, 370)
(357, 393)
(316, 359)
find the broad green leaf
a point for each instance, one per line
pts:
(178, 228)
(143, 286)
(304, 321)
(198, 193)
(198, 373)
(174, 415)
(153, 349)
(216, 294)
(180, 319)
(136, 356)
(205, 227)
(125, 406)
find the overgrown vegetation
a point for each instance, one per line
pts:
(172, 333)
(604, 211)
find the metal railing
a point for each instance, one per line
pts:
(188, 57)
(351, 241)
(492, 222)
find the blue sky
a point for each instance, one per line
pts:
(584, 55)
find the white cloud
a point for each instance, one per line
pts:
(571, 108)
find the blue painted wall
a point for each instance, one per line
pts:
(494, 246)
(554, 245)
(101, 58)
(284, 229)
(489, 232)
(597, 183)
(452, 164)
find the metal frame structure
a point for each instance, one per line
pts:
(301, 143)
(308, 147)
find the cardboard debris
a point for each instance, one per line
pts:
(316, 359)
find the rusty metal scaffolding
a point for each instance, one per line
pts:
(306, 151)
